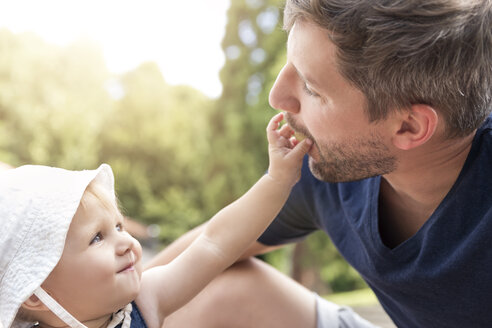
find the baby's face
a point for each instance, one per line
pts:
(100, 269)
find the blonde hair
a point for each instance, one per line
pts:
(102, 195)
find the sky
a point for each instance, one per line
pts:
(182, 36)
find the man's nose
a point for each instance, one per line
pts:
(283, 93)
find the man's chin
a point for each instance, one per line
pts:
(316, 170)
(324, 172)
(313, 154)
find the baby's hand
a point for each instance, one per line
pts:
(285, 152)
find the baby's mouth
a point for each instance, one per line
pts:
(130, 265)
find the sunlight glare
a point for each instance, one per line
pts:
(183, 37)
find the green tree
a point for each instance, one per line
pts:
(156, 138)
(59, 106)
(251, 44)
(51, 101)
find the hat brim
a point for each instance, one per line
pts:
(37, 204)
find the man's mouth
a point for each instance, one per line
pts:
(297, 128)
(299, 136)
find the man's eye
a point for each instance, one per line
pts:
(309, 92)
(97, 238)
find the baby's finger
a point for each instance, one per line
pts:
(286, 131)
(301, 149)
(272, 127)
(275, 122)
(293, 141)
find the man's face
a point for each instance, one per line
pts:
(99, 271)
(322, 105)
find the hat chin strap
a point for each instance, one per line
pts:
(57, 309)
(123, 316)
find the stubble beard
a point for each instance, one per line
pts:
(362, 159)
(355, 159)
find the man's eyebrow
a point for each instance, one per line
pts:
(307, 79)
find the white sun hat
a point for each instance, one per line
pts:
(37, 204)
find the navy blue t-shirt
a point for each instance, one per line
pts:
(441, 276)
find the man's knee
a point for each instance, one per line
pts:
(236, 284)
(222, 302)
(249, 294)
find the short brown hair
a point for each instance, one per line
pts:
(404, 52)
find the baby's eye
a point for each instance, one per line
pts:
(97, 238)
(119, 227)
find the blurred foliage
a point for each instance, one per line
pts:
(178, 156)
(357, 298)
(156, 138)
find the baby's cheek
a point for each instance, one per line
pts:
(100, 271)
(137, 249)
(138, 263)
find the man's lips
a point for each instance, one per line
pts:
(299, 136)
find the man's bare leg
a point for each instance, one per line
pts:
(249, 294)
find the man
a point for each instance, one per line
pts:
(395, 96)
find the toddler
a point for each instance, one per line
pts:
(66, 259)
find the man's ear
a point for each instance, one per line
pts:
(33, 303)
(415, 126)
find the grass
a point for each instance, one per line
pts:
(360, 297)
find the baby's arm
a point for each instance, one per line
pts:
(235, 227)
(228, 234)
